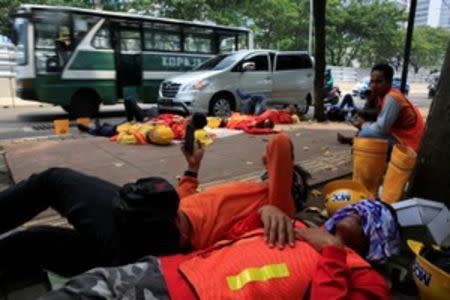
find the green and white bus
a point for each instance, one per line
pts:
(80, 58)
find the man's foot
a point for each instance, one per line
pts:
(344, 139)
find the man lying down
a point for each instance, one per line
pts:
(330, 263)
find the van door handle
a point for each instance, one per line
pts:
(309, 75)
(268, 78)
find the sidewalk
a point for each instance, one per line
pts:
(228, 159)
(315, 146)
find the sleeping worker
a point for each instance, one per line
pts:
(317, 264)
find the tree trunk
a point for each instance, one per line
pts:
(319, 26)
(432, 173)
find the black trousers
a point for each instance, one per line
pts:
(134, 112)
(87, 202)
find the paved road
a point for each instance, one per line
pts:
(34, 121)
(24, 122)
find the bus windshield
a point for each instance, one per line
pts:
(219, 62)
(20, 27)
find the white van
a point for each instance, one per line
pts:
(284, 77)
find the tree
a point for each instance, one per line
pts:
(428, 47)
(431, 178)
(367, 32)
(319, 26)
(9, 7)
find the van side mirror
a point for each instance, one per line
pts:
(248, 66)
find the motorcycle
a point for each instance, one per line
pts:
(431, 90)
(432, 85)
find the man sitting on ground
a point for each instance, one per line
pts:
(399, 120)
(369, 113)
(319, 265)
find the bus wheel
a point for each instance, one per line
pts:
(84, 104)
(221, 105)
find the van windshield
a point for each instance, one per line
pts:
(219, 62)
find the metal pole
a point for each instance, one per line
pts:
(409, 34)
(310, 27)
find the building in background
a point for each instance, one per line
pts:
(434, 13)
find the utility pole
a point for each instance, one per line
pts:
(319, 50)
(409, 35)
(431, 179)
(311, 12)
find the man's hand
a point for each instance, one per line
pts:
(278, 227)
(357, 121)
(317, 238)
(195, 158)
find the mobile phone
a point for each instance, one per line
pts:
(189, 139)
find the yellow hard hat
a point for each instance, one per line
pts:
(295, 119)
(160, 135)
(432, 282)
(202, 136)
(340, 193)
(213, 122)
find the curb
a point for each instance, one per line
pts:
(309, 165)
(52, 137)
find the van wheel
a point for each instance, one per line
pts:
(304, 108)
(84, 104)
(220, 106)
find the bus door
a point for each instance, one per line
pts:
(128, 60)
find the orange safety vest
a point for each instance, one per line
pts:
(249, 269)
(409, 126)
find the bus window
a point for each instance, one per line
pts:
(130, 40)
(45, 45)
(53, 43)
(21, 29)
(81, 25)
(198, 40)
(227, 43)
(163, 37)
(242, 41)
(102, 39)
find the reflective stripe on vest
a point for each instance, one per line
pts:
(264, 273)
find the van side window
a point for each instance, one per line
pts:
(261, 62)
(293, 62)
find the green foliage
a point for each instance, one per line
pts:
(367, 32)
(277, 24)
(428, 47)
(9, 7)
